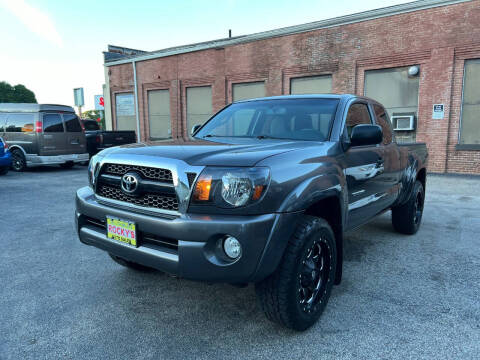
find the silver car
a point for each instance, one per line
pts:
(42, 134)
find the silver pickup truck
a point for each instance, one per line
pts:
(263, 194)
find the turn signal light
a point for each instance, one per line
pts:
(257, 192)
(202, 189)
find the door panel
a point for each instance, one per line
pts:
(75, 137)
(364, 167)
(52, 140)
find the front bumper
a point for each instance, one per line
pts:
(6, 159)
(36, 160)
(196, 257)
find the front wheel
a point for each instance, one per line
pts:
(296, 294)
(406, 219)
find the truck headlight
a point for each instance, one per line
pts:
(231, 187)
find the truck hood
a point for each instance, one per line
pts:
(221, 152)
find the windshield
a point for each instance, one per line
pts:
(298, 119)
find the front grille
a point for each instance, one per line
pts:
(158, 201)
(163, 175)
(159, 193)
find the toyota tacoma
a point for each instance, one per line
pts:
(261, 193)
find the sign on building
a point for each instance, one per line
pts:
(99, 102)
(78, 97)
(438, 111)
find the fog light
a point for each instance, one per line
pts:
(232, 247)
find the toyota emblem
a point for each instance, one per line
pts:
(129, 183)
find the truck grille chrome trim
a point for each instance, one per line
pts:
(152, 173)
(165, 183)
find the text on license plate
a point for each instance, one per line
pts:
(121, 230)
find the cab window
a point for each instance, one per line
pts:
(381, 118)
(357, 114)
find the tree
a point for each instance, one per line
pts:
(16, 94)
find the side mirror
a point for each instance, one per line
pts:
(195, 129)
(366, 135)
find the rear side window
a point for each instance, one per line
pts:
(91, 125)
(357, 114)
(72, 124)
(381, 118)
(52, 123)
(19, 122)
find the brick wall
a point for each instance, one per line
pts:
(438, 39)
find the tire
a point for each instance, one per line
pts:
(129, 264)
(19, 163)
(406, 219)
(67, 165)
(287, 296)
(4, 170)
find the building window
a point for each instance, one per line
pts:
(199, 106)
(251, 90)
(311, 85)
(125, 112)
(397, 91)
(159, 114)
(470, 122)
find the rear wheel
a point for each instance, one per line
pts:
(296, 294)
(18, 160)
(129, 264)
(406, 219)
(4, 170)
(67, 165)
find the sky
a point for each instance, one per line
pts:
(52, 47)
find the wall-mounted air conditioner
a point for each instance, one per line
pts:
(403, 122)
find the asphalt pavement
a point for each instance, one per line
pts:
(402, 297)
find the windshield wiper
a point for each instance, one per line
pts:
(269, 137)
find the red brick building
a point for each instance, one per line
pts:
(410, 57)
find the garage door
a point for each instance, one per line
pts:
(159, 114)
(248, 90)
(199, 106)
(125, 112)
(311, 85)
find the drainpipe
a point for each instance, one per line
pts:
(134, 65)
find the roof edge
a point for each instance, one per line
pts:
(295, 29)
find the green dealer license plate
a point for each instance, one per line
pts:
(121, 230)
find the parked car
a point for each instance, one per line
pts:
(264, 194)
(98, 139)
(42, 134)
(5, 157)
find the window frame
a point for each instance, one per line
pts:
(459, 145)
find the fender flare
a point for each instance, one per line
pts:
(13, 147)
